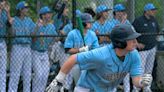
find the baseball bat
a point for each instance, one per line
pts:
(80, 27)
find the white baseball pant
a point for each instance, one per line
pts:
(3, 62)
(20, 64)
(41, 67)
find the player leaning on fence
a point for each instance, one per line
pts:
(40, 47)
(106, 67)
(102, 26)
(21, 52)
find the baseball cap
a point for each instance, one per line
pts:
(21, 5)
(149, 6)
(119, 7)
(45, 10)
(102, 8)
(86, 18)
(124, 32)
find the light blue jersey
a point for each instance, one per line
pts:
(22, 27)
(104, 70)
(67, 28)
(75, 40)
(3, 22)
(58, 22)
(102, 28)
(114, 22)
(42, 43)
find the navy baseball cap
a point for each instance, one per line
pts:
(119, 7)
(22, 5)
(124, 32)
(149, 6)
(45, 10)
(86, 18)
(102, 8)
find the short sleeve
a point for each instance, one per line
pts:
(136, 67)
(90, 59)
(69, 41)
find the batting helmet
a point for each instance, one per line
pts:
(121, 33)
(86, 18)
(78, 12)
(45, 10)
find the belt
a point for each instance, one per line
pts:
(41, 51)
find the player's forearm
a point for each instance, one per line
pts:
(73, 51)
(67, 66)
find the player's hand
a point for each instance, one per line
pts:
(55, 86)
(83, 49)
(146, 80)
(39, 22)
(140, 46)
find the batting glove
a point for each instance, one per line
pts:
(84, 49)
(146, 80)
(57, 84)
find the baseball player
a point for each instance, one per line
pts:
(21, 52)
(74, 42)
(120, 17)
(68, 27)
(4, 18)
(101, 25)
(60, 20)
(147, 44)
(106, 67)
(40, 50)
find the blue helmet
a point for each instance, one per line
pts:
(78, 12)
(45, 10)
(149, 6)
(21, 5)
(102, 8)
(121, 33)
(86, 18)
(119, 7)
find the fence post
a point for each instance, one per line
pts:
(131, 10)
(73, 13)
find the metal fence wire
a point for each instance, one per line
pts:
(31, 53)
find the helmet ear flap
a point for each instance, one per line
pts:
(119, 44)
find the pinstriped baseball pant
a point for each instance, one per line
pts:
(20, 64)
(41, 68)
(3, 61)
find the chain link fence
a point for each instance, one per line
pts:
(37, 54)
